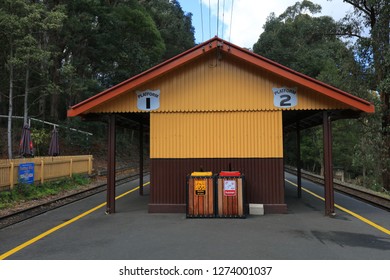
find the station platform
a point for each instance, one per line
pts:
(305, 233)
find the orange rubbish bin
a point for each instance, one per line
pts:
(200, 195)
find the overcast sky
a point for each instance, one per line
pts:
(248, 18)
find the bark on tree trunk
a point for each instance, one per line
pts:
(26, 92)
(10, 107)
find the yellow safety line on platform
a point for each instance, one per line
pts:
(50, 231)
(357, 216)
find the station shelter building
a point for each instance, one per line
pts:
(219, 106)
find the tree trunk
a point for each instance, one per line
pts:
(10, 106)
(26, 92)
(55, 96)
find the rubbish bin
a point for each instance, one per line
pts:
(200, 195)
(231, 195)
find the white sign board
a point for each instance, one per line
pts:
(285, 97)
(148, 100)
(229, 188)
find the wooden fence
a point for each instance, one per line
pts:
(45, 168)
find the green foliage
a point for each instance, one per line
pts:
(40, 139)
(310, 45)
(77, 48)
(175, 27)
(373, 50)
(304, 43)
(62, 52)
(23, 192)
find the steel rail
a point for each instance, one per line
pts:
(363, 195)
(25, 214)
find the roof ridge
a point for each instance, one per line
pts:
(241, 53)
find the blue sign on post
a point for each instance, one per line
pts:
(26, 173)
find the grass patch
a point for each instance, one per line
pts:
(23, 192)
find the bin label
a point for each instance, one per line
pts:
(229, 188)
(200, 187)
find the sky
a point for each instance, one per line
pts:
(245, 25)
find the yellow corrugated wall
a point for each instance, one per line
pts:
(216, 135)
(223, 85)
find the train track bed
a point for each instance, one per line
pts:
(375, 198)
(37, 207)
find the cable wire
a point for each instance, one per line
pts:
(201, 18)
(223, 17)
(218, 18)
(231, 21)
(209, 19)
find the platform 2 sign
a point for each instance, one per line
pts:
(26, 173)
(200, 187)
(285, 97)
(229, 188)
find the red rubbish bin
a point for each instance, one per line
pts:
(231, 194)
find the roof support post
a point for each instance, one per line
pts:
(328, 166)
(141, 159)
(110, 207)
(299, 167)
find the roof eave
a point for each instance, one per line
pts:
(141, 78)
(243, 54)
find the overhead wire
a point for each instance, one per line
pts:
(231, 21)
(218, 19)
(209, 19)
(201, 18)
(223, 18)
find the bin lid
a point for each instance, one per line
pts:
(202, 174)
(230, 173)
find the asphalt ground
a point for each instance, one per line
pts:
(134, 234)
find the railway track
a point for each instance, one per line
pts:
(33, 211)
(360, 193)
(19, 216)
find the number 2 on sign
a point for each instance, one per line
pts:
(285, 97)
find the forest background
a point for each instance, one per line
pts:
(56, 53)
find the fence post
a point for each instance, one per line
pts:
(89, 165)
(42, 172)
(11, 175)
(71, 167)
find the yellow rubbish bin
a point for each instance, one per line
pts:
(200, 195)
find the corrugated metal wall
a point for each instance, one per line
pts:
(264, 178)
(223, 85)
(216, 135)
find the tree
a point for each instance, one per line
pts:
(21, 23)
(304, 43)
(311, 45)
(101, 44)
(129, 43)
(56, 53)
(374, 49)
(174, 26)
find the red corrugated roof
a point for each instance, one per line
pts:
(240, 53)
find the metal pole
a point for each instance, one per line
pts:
(110, 208)
(299, 167)
(328, 166)
(141, 159)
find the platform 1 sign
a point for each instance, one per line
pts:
(26, 173)
(148, 100)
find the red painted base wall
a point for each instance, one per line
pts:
(264, 178)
